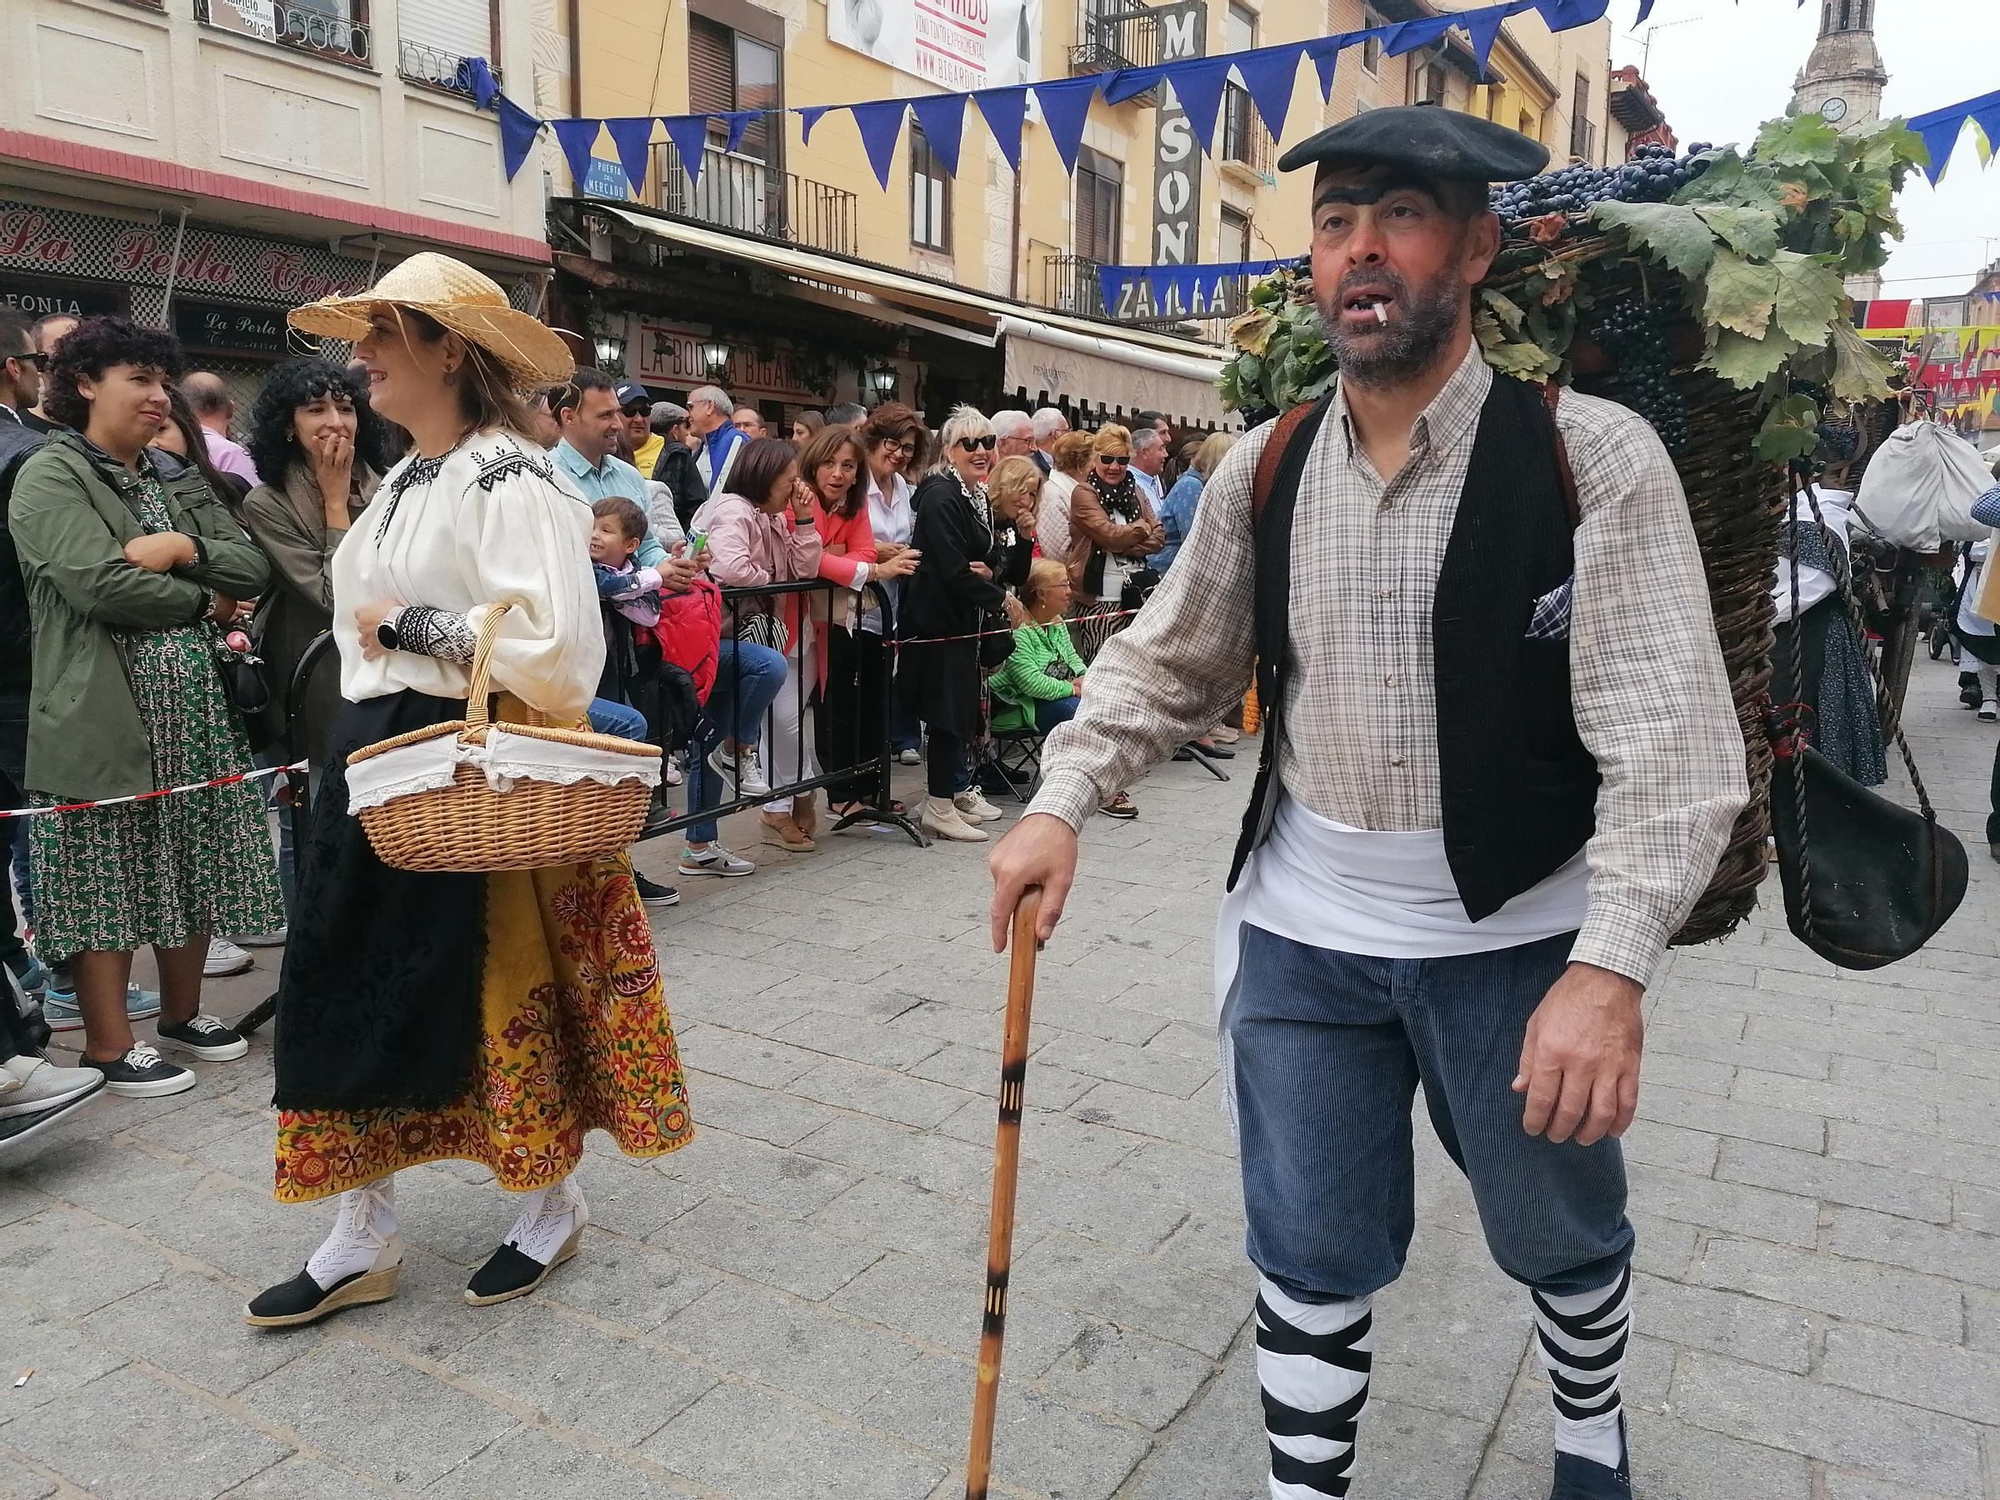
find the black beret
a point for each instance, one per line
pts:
(1425, 140)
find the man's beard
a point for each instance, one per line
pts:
(1410, 343)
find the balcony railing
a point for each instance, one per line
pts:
(1109, 35)
(1069, 284)
(1245, 141)
(336, 29)
(742, 193)
(436, 68)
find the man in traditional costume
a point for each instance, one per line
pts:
(1500, 765)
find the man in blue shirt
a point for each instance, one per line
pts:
(587, 412)
(708, 419)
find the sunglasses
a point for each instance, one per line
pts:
(32, 358)
(1114, 458)
(988, 442)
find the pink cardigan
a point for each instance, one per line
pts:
(748, 547)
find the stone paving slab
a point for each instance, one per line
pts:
(790, 1306)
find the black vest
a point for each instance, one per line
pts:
(1519, 789)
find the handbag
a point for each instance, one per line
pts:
(996, 639)
(1866, 880)
(763, 629)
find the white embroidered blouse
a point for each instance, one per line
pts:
(447, 538)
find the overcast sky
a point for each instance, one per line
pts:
(1730, 64)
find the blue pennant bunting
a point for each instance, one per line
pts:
(1940, 136)
(740, 121)
(1129, 83)
(632, 137)
(1197, 84)
(809, 116)
(1646, 9)
(476, 78)
(1269, 74)
(880, 122)
(576, 137)
(1325, 53)
(1186, 290)
(1066, 108)
(689, 133)
(1407, 36)
(1561, 15)
(1940, 127)
(1482, 27)
(518, 130)
(1005, 109)
(942, 120)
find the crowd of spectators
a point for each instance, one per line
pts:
(157, 541)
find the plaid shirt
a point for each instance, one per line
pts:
(1359, 746)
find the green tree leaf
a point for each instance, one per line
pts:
(1860, 370)
(1795, 140)
(1790, 430)
(1747, 231)
(1740, 295)
(1809, 296)
(1746, 363)
(1669, 232)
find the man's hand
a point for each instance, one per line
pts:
(161, 552)
(1040, 850)
(1580, 1061)
(678, 571)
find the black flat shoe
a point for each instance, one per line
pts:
(508, 1273)
(300, 1300)
(1581, 1479)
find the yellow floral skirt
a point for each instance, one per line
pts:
(574, 1036)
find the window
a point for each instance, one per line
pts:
(331, 28)
(1582, 133)
(1371, 50)
(1240, 126)
(434, 36)
(1100, 206)
(1433, 84)
(930, 194)
(1235, 244)
(735, 61)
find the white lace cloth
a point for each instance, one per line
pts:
(505, 758)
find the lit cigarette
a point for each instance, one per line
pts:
(1381, 312)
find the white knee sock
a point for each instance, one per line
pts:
(364, 1227)
(549, 1216)
(1581, 1340)
(1989, 683)
(1312, 1361)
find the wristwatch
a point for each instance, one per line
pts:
(389, 637)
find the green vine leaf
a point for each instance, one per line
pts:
(1790, 430)
(1746, 363)
(1670, 233)
(1797, 140)
(1505, 310)
(1860, 370)
(1809, 296)
(1747, 231)
(1740, 295)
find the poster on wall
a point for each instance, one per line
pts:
(955, 44)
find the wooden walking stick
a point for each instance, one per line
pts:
(1006, 1176)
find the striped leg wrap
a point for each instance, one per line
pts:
(1312, 1361)
(1581, 1341)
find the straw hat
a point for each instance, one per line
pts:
(458, 297)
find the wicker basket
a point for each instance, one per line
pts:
(469, 827)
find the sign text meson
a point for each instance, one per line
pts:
(1176, 159)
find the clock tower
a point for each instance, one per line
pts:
(1842, 83)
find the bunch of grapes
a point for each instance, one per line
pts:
(1653, 175)
(1630, 331)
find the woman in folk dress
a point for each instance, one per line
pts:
(490, 1017)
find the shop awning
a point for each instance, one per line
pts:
(1074, 359)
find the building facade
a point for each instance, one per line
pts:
(202, 165)
(763, 268)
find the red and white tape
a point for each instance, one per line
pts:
(165, 791)
(980, 635)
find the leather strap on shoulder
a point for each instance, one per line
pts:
(1274, 455)
(1551, 394)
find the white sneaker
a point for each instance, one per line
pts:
(941, 819)
(1989, 710)
(715, 860)
(910, 757)
(974, 808)
(225, 958)
(740, 773)
(29, 1085)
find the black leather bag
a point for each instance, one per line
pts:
(996, 640)
(1866, 881)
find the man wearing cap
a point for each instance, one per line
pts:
(635, 410)
(676, 467)
(1500, 767)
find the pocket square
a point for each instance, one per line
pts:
(1550, 619)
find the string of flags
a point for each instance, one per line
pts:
(1267, 74)
(1940, 129)
(1191, 291)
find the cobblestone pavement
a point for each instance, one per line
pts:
(789, 1307)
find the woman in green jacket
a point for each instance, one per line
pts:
(129, 561)
(1039, 686)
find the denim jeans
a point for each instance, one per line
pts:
(1050, 712)
(1328, 1051)
(607, 716)
(747, 678)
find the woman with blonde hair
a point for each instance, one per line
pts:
(1016, 492)
(1041, 684)
(1112, 529)
(1177, 509)
(493, 1018)
(1070, 458)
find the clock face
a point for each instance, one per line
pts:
(1833, 111)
